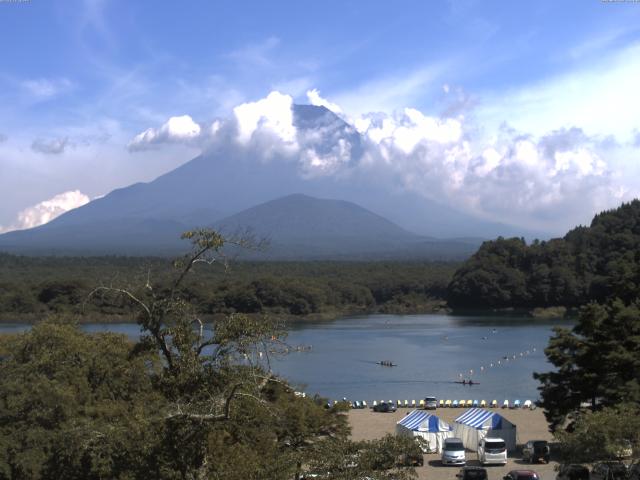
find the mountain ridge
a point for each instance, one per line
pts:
(225, 181)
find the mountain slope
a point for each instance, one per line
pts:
(302, 227)
(226, 180)
(301, 217)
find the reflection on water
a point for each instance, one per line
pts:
(432, 353)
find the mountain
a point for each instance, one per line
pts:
(227, 182)
(299, 226)
(296, 226)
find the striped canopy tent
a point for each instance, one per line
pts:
(421, 424)
(477, 423)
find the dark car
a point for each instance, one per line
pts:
(521, 475)
(384, 407)
(536, 451)
(609, 471)
(472, 473)
(573, 472)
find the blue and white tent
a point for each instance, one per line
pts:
(477, 423)
(422, 424)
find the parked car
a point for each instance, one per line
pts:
(472, 473)
(609, 471)
(492, 450)
(430, 403)
(521, 475)
(384, 407)
(453, 452)
(572, 471)
(536, 451)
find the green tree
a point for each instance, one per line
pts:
(76, 406)
(185, 401)
(608, 434)
(596, 362)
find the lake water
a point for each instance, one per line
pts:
(432, 352)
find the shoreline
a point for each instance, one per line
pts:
(437, 307)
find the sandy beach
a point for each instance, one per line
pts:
(531, 425)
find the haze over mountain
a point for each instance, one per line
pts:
(217, 188)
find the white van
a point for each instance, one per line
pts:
(453, 452)
(492, 451)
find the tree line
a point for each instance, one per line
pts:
(595, 263)
(33, 287)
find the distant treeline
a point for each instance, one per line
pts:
(33, 287)
(596, 263)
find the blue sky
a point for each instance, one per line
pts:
(80, 79)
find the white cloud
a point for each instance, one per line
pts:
(47, 210)
(272, 114)
(407, 129)
(315, 99)
(175, 130)
(602, 99)
(54, 146)
(44, 88)
(505, 174)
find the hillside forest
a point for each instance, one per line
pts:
(595, 263)
(32, 288)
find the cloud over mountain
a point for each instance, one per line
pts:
(180, 129)
(47, 210)
(504, 175)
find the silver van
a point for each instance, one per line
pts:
(492, 450)
(453, 452)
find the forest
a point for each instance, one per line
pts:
(180, 402)
(595, 263)
(33, 287)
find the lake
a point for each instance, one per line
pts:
(432, 352)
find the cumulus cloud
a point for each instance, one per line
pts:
(506, 174)
(272, 114)
(315, 99)
(513, 177)
(180, 129)
(53, 146)
(45, 211)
